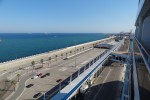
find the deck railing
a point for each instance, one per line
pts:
(145, 54)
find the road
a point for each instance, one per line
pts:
(107, 85)
(12, 73)
(65, 69)
(21, 85)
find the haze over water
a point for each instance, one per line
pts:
(15, 46)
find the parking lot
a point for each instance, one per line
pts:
(58, 71)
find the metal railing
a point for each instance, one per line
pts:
(126, 93)
(145, 54)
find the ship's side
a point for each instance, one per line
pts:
(141, 53)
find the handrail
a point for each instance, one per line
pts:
(145, 55)
(142, 47)
(124, 86)
(136, 88)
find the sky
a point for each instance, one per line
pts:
(67, 16)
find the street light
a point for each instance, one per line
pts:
(75, 56)
(75, 51)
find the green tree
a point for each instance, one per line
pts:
(77, 50)
(56, 57)
(50, 59)
(13, 83)
(83, 48)
(6, 81)
(33, 63)
(18, 75)
(70, 52)
(42, 62)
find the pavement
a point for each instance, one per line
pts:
(61, 70)
(11, 74)
(108, 84)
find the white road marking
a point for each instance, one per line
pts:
(102, 85)
(63, 69)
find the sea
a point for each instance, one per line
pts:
(18, 45)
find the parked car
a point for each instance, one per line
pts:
(47, 74)
(37, 95)
(43, 76)
(59, 80)
(40, 74)
(30, 85)
(34, 77)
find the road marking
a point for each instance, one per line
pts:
(3, 74)
(63, 69)
(23, 90)
(102, 85)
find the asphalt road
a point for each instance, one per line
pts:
(60, 70)
(26, 75)
(21, 85)
(107, 86)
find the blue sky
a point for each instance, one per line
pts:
(71, 16)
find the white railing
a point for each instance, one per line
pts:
(145, 54)
(136, 86)
(126, 92)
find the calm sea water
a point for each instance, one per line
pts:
(15, 46)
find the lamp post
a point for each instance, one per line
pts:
(75, 52)
(75, 56)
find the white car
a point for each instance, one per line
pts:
(34, 77)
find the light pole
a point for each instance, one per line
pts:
(75, 56)
(75, 51)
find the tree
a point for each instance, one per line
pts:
(18, 75)
(50, 59)
(42, 61)
(93, 45)
(61, 55)
(33, 63)
(6, 81)
(13, 82)
(77, 50)
(83, 48)
(70, 52)
(56, 57)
